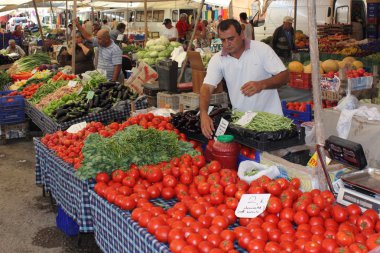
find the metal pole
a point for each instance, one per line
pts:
(314, 58)
(295, 15)
(191, 39)
(52, 15)
(146, 21)
(66, 25)
(73, 38)
(39, 23)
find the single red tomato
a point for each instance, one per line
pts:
(339, 213)
(373, 241)
(312, 247)
(373, 214)
(345, 238)
(358, 248)
(301, 217)
(365, 222)
(329, 245)
(274, 205)
(354, 209)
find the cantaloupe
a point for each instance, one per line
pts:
(357, 64)
(342, 64)
(330, 65)
(295, 66)
(307, 69)
(349, 59)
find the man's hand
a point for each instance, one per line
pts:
(207, 125)
(252, 88)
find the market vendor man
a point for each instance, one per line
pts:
(13, 48)
(252, 72)
(110, 55)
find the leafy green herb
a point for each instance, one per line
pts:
(132, 145)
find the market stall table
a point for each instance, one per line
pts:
(69, 192)
(115, 231)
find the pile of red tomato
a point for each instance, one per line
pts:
(299, 106)
(28, 91)
(355, 73)
(62, 76)
(68, 146)
(208, 195)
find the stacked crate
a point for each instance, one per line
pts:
(373, 18)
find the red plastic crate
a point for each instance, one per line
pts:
(300, 80)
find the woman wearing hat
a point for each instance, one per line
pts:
(283, 39)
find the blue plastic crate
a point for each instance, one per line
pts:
(297, 116)
(12, 108)
(242, 158)
(66, 224)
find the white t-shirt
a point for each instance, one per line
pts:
(257, 63)
(170, 33)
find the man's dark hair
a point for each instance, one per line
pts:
(225, 24)
(121, 26)
(105, 21)
(243, 15)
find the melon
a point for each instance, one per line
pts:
(349, 59)
(295, 66)
(307, 69)
(342, 64)
(330, 65)
(357, 64)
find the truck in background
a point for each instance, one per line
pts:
(269, 14)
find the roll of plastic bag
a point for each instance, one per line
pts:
(256, 170)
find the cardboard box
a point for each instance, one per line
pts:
(198, 72)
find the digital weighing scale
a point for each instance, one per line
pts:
(361, 187)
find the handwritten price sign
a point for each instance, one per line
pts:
(251, 205)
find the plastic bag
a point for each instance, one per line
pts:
(349, 102)
(251, 166)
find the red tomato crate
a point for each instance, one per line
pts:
(298, 117)
(12, 108)
(300, 80)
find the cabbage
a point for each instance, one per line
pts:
(160, 48)
(160, 59)
(165, 53)
(150, 43)
(141, 54)
(170, 48)
(162, 41)
(149, 61)
(175, 44)
(153, 54)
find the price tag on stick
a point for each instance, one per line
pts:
(246, 118)
(223, 124)
(72, 84)
(251, 205)
(90, 94)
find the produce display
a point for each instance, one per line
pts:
(56, 95)
(68, 146)
(157, 50)
(130, 49)
(133, 145)
(204, 220)
(105, 96)
(265, 122)
(301, 40)
(28, 91)
(46, 89)
(28, 63)
(189, 121)
(4, 79)
(298, 106)
(21, 76)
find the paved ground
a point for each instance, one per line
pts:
(27, 219)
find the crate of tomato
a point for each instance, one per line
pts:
(12, 108)
(300, 80)
(299, 112)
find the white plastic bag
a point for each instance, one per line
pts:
(349, 102)
(248, 166)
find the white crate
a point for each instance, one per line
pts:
(165, 100)
(190, 101)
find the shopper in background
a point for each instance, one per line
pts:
(109, 56)
(13, 48)
(18, 35)
(84, 53)
(169, 30)
(105, 25)
(246, 26)
(69, 30)
(182, 27)
(88, 26)
(252, 72)
(96, 28)
(114, 24)
(283, 39)
(120, 29)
